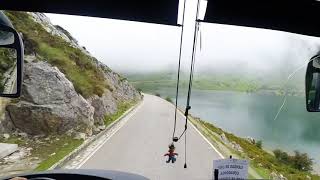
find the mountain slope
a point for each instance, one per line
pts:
(50, 44)
(57, 69)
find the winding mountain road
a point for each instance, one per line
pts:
(140, 144)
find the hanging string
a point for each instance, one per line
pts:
(185, 150)
(178, 78)
(188, 107)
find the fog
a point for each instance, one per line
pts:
(132, 47)
(128, 46)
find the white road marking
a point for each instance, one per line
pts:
(125, 121)
(113, 133)
(211, 145)
(214, 148)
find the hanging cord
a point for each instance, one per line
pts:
(188, 107)
(185, 150)
(178, 78)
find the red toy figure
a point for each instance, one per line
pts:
(171, 154)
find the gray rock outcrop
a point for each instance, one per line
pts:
(120, 90)
(49, 103)
(104, 105)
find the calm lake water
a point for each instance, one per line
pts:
(253, 115)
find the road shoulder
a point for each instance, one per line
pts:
(81, 154)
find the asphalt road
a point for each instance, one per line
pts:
(138, 147)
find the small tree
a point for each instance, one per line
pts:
(259, 144)
(302, 161)
(282, 156)
(299, 161)
(158, 94)
(169, 99)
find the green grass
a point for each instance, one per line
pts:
(76, 65)
(121, 108)
(60, 145)
(260, 160)
(14, 140)
(151, 82)
(202, 84)
(61, 148)
(169, 99)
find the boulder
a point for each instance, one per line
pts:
(80, 136)
(103, 127)
(236, 146)
(6, 136)
(275, 176)
(5, 125)
(121, 89)
(23, 135)
(95, 130)
(104, 105)
(251, 140)
(49, 103)
(224, 138)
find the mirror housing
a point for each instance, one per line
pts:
(11, 61)
(312, 85)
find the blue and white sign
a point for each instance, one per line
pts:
(231, 168)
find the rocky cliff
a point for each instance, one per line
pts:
(65, 89)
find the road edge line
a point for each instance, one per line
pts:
(196, 129)
(212, 146)
(89, 141)
(205, 138)
(110, 136)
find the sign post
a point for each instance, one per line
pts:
(230, 169)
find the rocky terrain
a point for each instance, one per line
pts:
(50, 103)
(67, 96)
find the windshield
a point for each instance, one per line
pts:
(100, 94)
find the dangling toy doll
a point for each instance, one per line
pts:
(171, 154)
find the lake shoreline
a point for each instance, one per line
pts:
(230, 147)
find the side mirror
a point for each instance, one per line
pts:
(11, 61)
(312, 83)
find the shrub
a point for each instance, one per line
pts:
(259, 144)
(169, 99)
(299, 161)
(157, 94)
(281, 156)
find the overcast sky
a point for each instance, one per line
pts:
(135, 46)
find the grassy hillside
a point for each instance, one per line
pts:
(76, 65)
(261, 161)
(151, 82)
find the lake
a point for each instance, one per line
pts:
(253, 115)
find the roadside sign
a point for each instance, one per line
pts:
(230, 168)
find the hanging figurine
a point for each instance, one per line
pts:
(171, 154)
